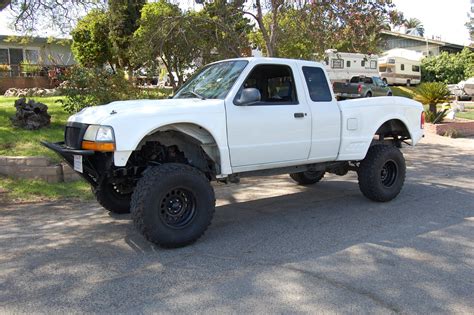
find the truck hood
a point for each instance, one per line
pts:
(106, 114)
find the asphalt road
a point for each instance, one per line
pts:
(273, 247)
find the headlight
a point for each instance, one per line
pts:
(99, 138)
(99, 133)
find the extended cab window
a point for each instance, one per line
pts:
(317, 84)
(275, 84)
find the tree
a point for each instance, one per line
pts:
(123, 22)
(225, 30)
(168, 35)
(432, 94)
(305, 29)
(32, 15)
(91, 45)
(416, 24)
(448, 68)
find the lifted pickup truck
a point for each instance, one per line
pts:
(361, 86)
(234, 118)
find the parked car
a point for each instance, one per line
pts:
(361, 86)
(234, 118)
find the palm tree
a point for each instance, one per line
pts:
(416, 24)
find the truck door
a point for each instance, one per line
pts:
(325, 112)
(276, 129)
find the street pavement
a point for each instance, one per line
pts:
(273, 247)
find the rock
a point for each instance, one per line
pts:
(30, 115)
(31, 92)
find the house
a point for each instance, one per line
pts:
(32, 61)
(427, 47)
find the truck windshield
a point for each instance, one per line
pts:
(213, 81)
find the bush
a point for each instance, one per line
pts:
(432, 94)
(448, 68)
(435, 117)
(90, 87)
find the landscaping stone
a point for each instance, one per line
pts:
(30, 115)
(36, 167)
(28, 92)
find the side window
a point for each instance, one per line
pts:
(348, 63)
(368, 81)
(362, 63)
(373, 64)
(402, 67)
(317, 84)
(415, 68)
(337, 64)
(275, 83)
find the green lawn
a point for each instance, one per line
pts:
(466, 115)
(403, 91)
(20, 142)
(37, 190)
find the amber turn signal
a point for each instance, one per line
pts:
(98, 146)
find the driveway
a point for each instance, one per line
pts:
(273, 247)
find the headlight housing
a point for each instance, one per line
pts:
(99, 138)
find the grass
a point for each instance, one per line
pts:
(19, 142)
(466, 115)
(404, 91)
(18, 190)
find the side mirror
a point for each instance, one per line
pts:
(248, 96)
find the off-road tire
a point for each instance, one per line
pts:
(109, 198)
(369, 94)
(382, 173)
(153, 216)
(307, 178)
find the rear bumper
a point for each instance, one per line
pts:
(348, 95)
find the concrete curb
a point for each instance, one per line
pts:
(36, 167)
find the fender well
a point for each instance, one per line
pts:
(190, 139)
(394, 129)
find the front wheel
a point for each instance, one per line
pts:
(308, 177)
(382, 173)
(173, 204)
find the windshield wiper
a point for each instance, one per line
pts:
(197, 95)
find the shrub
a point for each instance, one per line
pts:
(452, 133)
(435, 117)
(432, 94)
(448, 68)
(90, 87)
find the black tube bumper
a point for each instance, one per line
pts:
(68, 155)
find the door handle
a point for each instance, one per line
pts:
(299, 115)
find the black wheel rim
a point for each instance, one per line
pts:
(389, 173)
(177, 208)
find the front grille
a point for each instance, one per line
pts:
(73, 135)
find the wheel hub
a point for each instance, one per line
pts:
(177, 207)
(389, 173)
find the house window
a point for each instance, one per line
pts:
(4, 57)
(402, 67)
(337, 64)
(415, 68)
(32, 56)
(348, 63)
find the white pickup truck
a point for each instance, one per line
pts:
(234, 118)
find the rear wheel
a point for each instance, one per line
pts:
(112, 197)
(369, 94)
(173, 204)
(382, 173)
(308, 177)
(408, 83)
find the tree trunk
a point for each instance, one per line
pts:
(433, 108)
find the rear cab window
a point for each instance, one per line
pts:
(317, 84)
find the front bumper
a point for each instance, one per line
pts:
(90, 169)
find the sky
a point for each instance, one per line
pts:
(445, 19)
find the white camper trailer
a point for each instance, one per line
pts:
(342, 66)
(400, 66)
